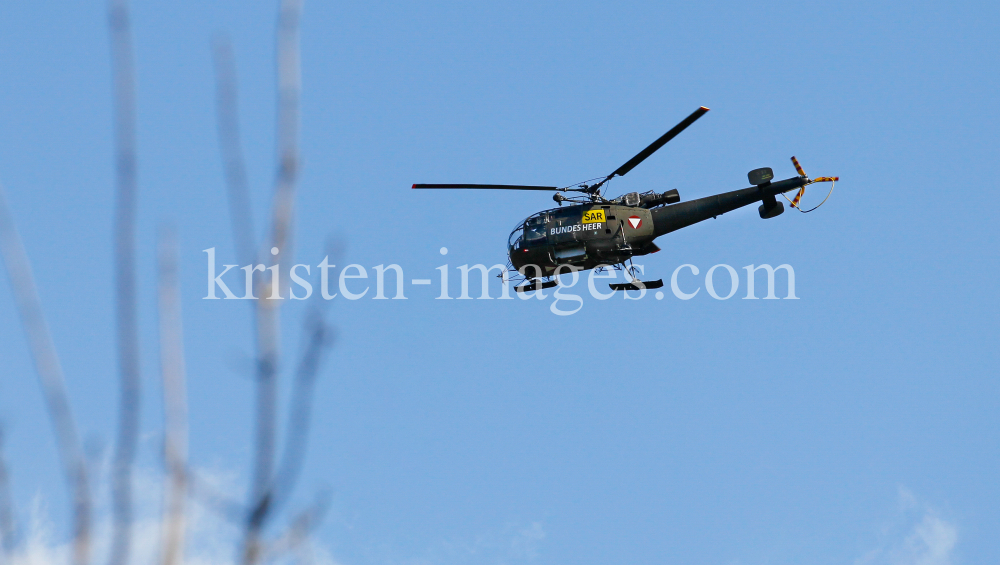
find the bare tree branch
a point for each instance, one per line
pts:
(269, 487)
(289, 87)
(266, 415)
(268, 321)
(227, 112)
(297, 431)
(174, 401)
(301, 527)
(300, 409)
(264, 320)
(206, 494)
(50, 376)
(127, 315)
(227, 109)
(6, 507)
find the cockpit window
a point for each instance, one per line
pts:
(531, 231)
(515, 238)
(534, 233)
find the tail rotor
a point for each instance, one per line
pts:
(795, 202)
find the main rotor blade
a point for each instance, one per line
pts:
(621, 171)
(488, 186)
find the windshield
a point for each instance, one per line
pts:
(532, 230)
(534, 227)
(515, 237)
(534, 233)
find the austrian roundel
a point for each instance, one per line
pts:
(635, 222)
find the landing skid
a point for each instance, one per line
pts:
(635, 285)
(537, 285)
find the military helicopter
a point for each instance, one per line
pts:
(594, 232)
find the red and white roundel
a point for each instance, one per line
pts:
(635, 222)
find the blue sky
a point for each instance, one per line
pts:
(838, 428)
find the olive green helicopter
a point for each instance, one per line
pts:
(595, 232)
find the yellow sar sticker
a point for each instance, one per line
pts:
(593, 216)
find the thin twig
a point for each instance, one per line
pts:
(242, 226)
(227, 113)
(300, 409)
(289, 87)
(268, 326)
(174, 401)
(50, 376)
(297, 431)
(6, 508)
(227, 110)
(127, 316)
(267, 392)
(298, 531)
(201, 491)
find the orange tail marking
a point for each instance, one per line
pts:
(798, 167)
(795, 201)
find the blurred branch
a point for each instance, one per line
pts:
(297, 431)
(227, 109)
(267, 392)
(50, 376)
(127, 316)
(279, 491)
(264, 319)
(201, 491)
(300, 409)
(289, 86)
(268, 321)
(301, 527)
(242, 225)
(6, 507)
(174, 401)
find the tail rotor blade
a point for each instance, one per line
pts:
(795, 201)
(798, 197)
(798, 167)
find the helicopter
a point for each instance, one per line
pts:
(594, 232)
